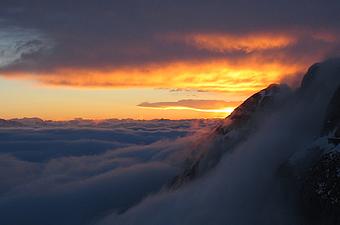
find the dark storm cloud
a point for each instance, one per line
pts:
(106, 34)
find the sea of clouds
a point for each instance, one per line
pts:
(76, 172)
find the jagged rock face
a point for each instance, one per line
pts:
(321, 183)
(258, 103)
(321, 191)
(317, 172)
(315, 178)
(312, 174)
(320, 81)
(235, 129)
(332, 122)
(187, 175)
(310, 76)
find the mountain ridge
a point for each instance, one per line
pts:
(313, 172)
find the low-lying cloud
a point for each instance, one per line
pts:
(194, 104)
(75, 172)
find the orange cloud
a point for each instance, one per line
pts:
(241, 74)
(223, 42)
(239, 77)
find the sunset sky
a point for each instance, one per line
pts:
(154, 59)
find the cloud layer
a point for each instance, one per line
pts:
(75, 172)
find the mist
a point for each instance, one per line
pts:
(246, 188)
(51, 174)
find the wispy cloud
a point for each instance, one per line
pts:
(242, 76)
(228, 42)
(194, 104)
(18, 44)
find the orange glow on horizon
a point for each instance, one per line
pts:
(216, 66)
(218, 76)
(242, 77)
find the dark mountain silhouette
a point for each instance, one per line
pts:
(242, 122)
(312, 173)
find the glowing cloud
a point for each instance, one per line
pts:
(231, 42)
(240, 77)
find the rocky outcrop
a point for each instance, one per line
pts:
(312, 174)
(332, 121)
(315, 172)
(310, 76)
(254, 108)
(320, 184)
(320, 192)
(235, 129)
